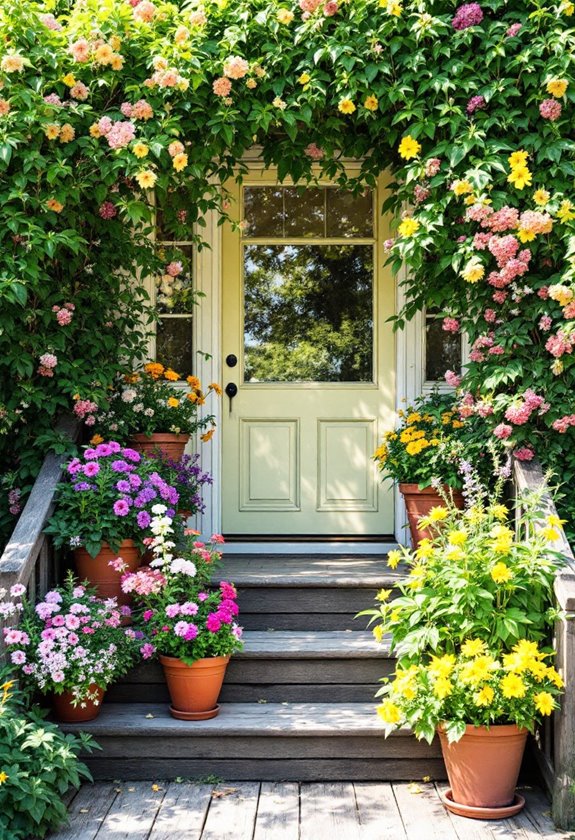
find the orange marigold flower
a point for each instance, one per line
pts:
(192, 397)
(193, 382)
(171, 375)
(55, 205)
(155, 369)
(208, 435)
(173, 402)
(215, 387)
(96, 439)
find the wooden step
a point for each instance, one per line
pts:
(312, 592)
(338, 667)
(275, 741)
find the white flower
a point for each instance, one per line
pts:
(149, 412)
(159, 509)
(129, 395)
(186, 567)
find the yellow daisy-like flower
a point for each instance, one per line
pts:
(304, 79)
(567, 8)
(557, 87)
(442, 688)
(284, 16)
(389, 712)
(3, 777)
(409, 148)
(441, 666)
(95, 131)
(371, 103)
(484, 697)
(454, 553)
(544, 702)
(67, 133)
(458, 537)
(146, 179)
(115, 42)
(461, 187)
(155, 369)
(172, 402)
(554, 677)
(69, 80)
(513, 686)
(52, 131)
(392, 7)
(473, 271)
(520, 177)
(555, 521)
(383, 595)
(499, 511)
(408, 227)
(393, 559)
(525, 235)
(140, 150)
(541, 197)
(346, 106)
(565, 212)
(437, 514)
(104, 54)
(501, 573)
(214, 386)
(472, 647)
(425, 547)
(180, 161)
(378, 633)
(518, 158)
(550, 534)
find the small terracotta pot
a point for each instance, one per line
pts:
(483, 767)
(102, 576)
(418, 503)
(66, 712)
(194, 689)
(166, 444)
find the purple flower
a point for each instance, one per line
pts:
(469, 14)
(181, 628)
(476, 103)
(74, 466)
(114, 447)
(191, 632)
(120, 466)
(121, 507)
(81, 486)
(188, 608)
(135, 480)
(90, 454)
(132, 455)
(53, 597)
(103, 450)
(147, 650)
(123, 486)
(91, 469)
(213, 623)
(172, 610)
(143, 519)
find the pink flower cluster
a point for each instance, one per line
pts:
(144, 11)
(64, 314)
(503, 431)
(50, 22)
(314, 152)
(141, 110)
(236, 67)
(452, 379)
(145, 581)
(514, 30)
(450, 325)
(15, 506)
(222, 86)
(563, 423)
(560, 344)
(524, 453)
(420, 193)
(48, 362)
(119, 133)
(79, 91)
(80, 50)
(550, 109)
(469, 14)
(485, 342)
(174, 268)
(476, 103)
(86, 410)
(107, 210)
(520, 411)
(432, 167)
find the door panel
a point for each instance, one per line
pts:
(305, 308)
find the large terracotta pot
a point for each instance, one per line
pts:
(168, 445)
(102, 576)
(66, 712)
(418, 503)
(483, 767)
(194, 689)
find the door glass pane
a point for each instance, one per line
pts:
(304, 212)
(442, 350)
(308, 313)
(264, 211)
(174, 345)
(348, 214)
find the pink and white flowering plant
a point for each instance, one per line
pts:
(69, 641)
(179, 612)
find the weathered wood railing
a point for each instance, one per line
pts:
(29, 557)
(555, 742)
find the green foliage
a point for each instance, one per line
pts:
(38, 764)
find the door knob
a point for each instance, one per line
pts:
(231, 390)
(231, 360)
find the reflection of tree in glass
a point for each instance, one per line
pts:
(308, 313)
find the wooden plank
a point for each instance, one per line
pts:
(232, 812)
(379, 815)
(183, 812)
(133, 812)
(422, 813)
(250, 747)
(329, 810)
(87, 812)
(311, 600)
(278, 812)
(274, 770)
(564, 726)
(301, 621)
(538, 811)
(264, 692)
(308, 570)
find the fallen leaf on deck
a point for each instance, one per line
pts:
(426, 779)
(149, 717)
(84, 810)
(156, 788)
(217, 794)
(413, 787)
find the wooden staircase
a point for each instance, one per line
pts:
(297, 703)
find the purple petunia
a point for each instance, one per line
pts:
(91, 469)
(131, 455)
(120, 466)
(74, 466)
(90, 454)
(103, 450)
(143, 519)
(124, 486)
(469, 14)
(81, 486)
(121, 507)
(135, 480)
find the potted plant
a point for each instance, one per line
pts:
(189, 625)
(153, 415)
(425, 452)
(104, 510)
(466, 630)
(70, 646)
(189, 478)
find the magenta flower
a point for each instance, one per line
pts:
(143, 519)
(91, 469)
(503, 431)
(476, 103)
(213, 623)
(550, 109)
(469, 14)
(147, 650)
(121, 507)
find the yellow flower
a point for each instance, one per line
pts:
(441, 666)
(378, 633)
(408, 227)
(104, 54)
(520, 177)
(554, 677)
(513, 686)
(180, 161)
(192, 397)
(554, 521)
(541, 197)
(416, 577)
(437, 514)
(525, 235)
(55, 205)
(499, 511)
(346, 106)
(565, 212)
(395, 615)
(155, 369)
(557, 87)
(371, 103)
(284, 16)
(544, 702)
(383, 595)
(458, 537)
(454, 552)
(473, 271)
(146, 179)
(67, 133)
(96, 439)
(140, 150)
(171, 375)
(485, 696)
(389, 712)
(517, 159)
(425, 547)
(404, 683)
(472, 647)
(69, 80)
(117, 62)
(567, 8)
(442, 688)
(115, 42)
(477, 670)
(172, 402)
(52, 131)
(501, 573)
(392, 7)
(503, 539)
(12, 63)
(550, 534)
(527, 649)
(461, 187)
(193, 382)
(95, 130)
(304, 78)
(3, 777)
(393, 559)
(213, 386)
(409, 148)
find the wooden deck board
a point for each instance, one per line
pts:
(288, 811)
(247, 570)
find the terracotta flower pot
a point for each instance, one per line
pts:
(194, 689)
(483, 767)
(419, 502)
(66, 712)
(166, 444)
(97, 571)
